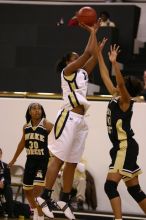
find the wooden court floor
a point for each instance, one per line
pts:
(94, 215)
(84, 216)
(97, 218)
(89, 217)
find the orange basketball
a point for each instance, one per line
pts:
(87, 15)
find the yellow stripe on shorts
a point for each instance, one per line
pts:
(60, 123)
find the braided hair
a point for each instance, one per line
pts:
(28, 116)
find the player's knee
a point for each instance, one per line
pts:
(110, 188)
(136, 193)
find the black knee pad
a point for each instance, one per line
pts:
(136, 193)
(110, 188)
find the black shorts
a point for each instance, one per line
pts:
(34, 172)
(124, 158)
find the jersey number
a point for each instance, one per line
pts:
(33, 144)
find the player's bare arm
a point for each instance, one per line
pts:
(124, 95)
(104, 72)
(20, 148)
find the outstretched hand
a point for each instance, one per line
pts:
(102, 43)
(99, 47)
(90, 29)
(114, 51)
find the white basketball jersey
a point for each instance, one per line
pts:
(74, 89)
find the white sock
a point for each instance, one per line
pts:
(41, 217)
(35, 214)
(35, 211)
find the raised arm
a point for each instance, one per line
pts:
(80, 62)
(124, 95)
(20, 148)
(104, 71)
(92, 61)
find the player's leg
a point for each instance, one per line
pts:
(28, 185)
(57, 188)
(112, 193)
(135, 191)
(76, 138)
(39, 183)
(45, 201)
(68, 175)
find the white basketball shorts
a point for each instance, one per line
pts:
(67, 138)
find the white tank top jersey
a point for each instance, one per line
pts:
(74, 89)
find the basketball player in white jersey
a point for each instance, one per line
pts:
(68, 137)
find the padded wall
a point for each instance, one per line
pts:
(31, 42)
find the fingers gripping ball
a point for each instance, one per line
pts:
(87, 15)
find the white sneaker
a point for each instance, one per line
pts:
(45, 209)
(65, 208)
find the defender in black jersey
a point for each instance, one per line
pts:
(125, 148)
(35, 141)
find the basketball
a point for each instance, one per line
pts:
(87, 15)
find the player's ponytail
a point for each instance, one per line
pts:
(61, 64)
(133, 85)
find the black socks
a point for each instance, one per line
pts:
(65, 197)
(46, 193)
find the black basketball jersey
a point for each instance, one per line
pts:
(119, 122)
(36, 141)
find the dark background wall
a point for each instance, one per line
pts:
(31, 42)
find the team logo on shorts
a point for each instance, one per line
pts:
(39, 174)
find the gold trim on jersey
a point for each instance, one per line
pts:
(121, 154)
(27, 187)
(34, 128)
(60, 123)
(70, 77)
(73, 99)
(120, 132)
(72, 85)
(39, 183)
(71, 81)
(40, 124)
(127, 178)
(126, 175)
